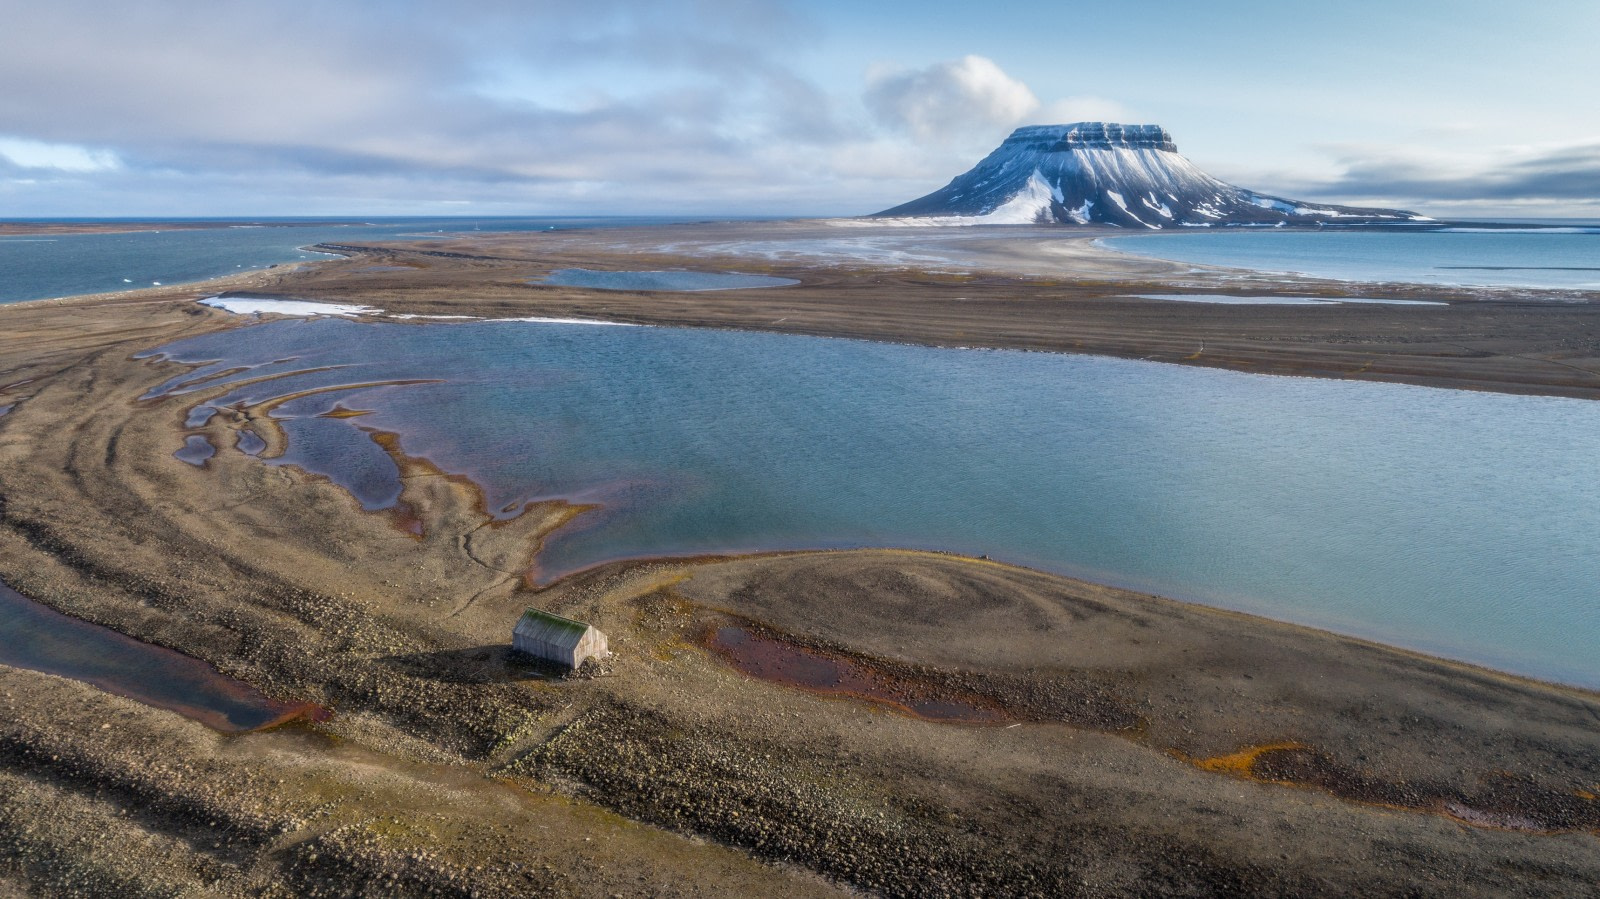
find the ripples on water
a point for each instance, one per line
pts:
(1449, 521)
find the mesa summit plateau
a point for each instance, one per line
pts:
(1106, 173)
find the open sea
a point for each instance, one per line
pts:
(1557, 255)
(59, 265)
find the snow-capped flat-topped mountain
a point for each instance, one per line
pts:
(1102, 172)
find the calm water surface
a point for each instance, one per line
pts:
(58, 265)
(1466, 524)
(1556, 258)
(35, 637)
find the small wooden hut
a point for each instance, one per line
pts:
(556, 639)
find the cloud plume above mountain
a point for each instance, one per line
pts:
(948, 99)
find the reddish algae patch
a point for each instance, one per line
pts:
(820, 671)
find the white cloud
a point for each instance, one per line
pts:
(949, 100)
(1086, 109)
(190, 87)
(34, 154)
(1423, 175)
(693, 106)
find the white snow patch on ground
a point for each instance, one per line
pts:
(305, 308)
(1235, 300)
(308, 309)
(1391, 302)
(566, 321)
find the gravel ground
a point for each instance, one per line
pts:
(1158, 748)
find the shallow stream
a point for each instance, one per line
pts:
(38, 638)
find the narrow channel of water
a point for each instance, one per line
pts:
(36, 637)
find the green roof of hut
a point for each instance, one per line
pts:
(547, 635)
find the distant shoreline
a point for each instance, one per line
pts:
(1040, 289)
(1044, 289)
(19, 228)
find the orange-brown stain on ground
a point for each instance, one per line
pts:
(1243, 762)
(340, 410)
(1502, 802)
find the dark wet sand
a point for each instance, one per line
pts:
(1139, 746)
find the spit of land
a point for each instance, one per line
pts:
(985, 730)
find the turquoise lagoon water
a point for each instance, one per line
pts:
(1465, 524)
(1564, 257)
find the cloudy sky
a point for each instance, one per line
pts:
(367, 107)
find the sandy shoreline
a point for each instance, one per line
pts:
(1158, 746)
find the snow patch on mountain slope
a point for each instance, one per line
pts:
(1095, 172)
(1030, 206)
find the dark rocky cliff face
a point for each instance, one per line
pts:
(1107, 173)
(1093, 136)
